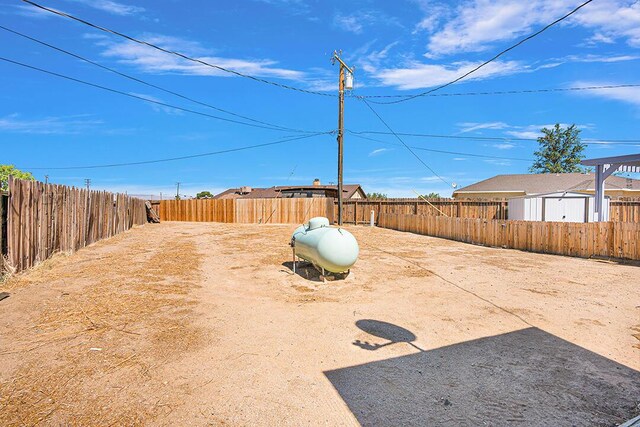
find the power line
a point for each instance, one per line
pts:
(458, 153)
(468, 73)
(131, 95)
(509, 92)
(588, 141)
(171, 159)
(145, 82)
(171, 52)
(403, 143)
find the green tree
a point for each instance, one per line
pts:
(204, 195)
(376, 196)
(559, 151)
(10, 170)
(431, 195)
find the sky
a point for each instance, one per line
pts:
(48, 123)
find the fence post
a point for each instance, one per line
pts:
(3, 229)
(355, 213)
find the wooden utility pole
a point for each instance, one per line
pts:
(341, 88)
(177, 190)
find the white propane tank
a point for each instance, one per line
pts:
(331, 248)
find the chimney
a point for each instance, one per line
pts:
(245, 190)
(316, 182)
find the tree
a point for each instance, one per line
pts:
(204, 195)
(431, 195)
(10, 170)
(376, 196)
(559, 151)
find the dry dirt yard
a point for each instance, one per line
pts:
(205, 324)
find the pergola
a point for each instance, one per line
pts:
(605, 166)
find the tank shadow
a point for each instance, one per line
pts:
(308, 271)
(387, 331)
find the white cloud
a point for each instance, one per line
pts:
(158, 107)
(416, 75)
(434, 13)
(370, 60)
(108, 6)
(472, 127)
(14, 123)
(478, 25)
(378, 151)
(357, 21)
(555, 62)
(29, 11)
(504, 146)
(526, 134)
(497, 162)
(112, 7)
(151, 60)
(294, 7)
(534, 131)
(611, 20)
(629, 95)
(349, 23)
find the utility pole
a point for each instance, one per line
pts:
(87, 182)
(46, 179)
(345, 81)
(178, 190)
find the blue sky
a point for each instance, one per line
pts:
(399, 47)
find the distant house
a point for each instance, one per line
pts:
(519, 185)
(349, 192)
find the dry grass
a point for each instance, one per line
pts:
(134, 315)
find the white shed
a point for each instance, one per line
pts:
(561, 207)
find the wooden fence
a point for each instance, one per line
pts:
(200, 210)
(359, 211)
(4, 198)
(597, 239)
(248, 211)
(286, 210)
(45, 218)
(625, 210)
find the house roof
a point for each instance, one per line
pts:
(231, 193)
(547, 182)
(348, 190)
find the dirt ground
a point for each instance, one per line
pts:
(205, 324)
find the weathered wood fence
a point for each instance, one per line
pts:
(625, 210)
(45, 218)
(4, 198)
(248, 211)
(597, 239)
(286, 210)
(359, 211)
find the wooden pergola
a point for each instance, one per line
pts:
(605, 166)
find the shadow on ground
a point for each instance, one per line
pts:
(308, 271)
(527, 378)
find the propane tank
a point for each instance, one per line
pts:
(331, 248)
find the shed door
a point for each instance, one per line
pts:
(565, 209)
